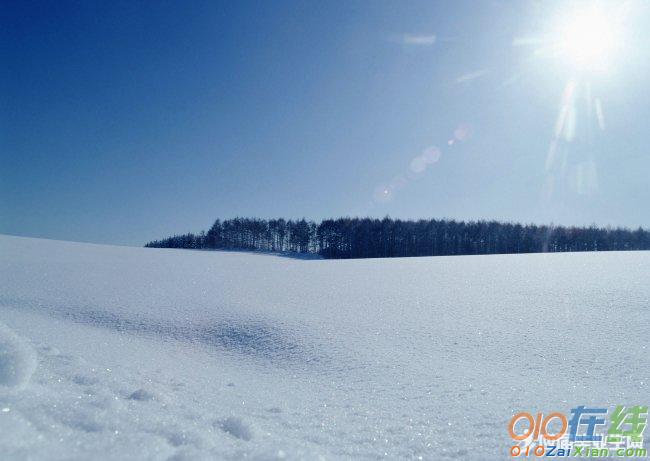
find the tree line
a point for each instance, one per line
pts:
(384, 238)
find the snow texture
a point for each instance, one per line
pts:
(114, 353)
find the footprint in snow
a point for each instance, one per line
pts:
(17, 360)
(142, 395)
(234, 426)
(84, 380)
(49, 351)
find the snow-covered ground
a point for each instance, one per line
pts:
(131, 353)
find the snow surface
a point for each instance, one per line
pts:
(132, 353)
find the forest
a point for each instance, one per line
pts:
(343, 238)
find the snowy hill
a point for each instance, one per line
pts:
(133, 353)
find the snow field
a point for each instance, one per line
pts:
(128, 353)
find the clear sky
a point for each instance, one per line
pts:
(121, 122)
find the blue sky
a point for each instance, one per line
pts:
(128, 121)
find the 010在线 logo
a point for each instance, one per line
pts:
(587, 432)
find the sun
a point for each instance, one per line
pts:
(588, 39)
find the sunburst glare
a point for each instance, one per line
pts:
(589, 39)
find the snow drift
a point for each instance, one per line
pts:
(132, 353)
